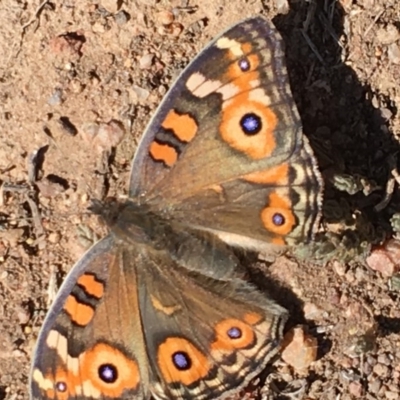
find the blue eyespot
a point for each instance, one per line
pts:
(234, 333)
(108, 373)
(181, 360)
(251, 124)
(278, 219)
(244, 64)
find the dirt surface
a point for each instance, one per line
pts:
(69, 66)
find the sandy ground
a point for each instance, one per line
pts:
(68, 65)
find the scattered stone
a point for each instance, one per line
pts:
(381, 370)
(146, 61)
(391, 395)
(49, 188)
(140, 93)
(339, 267)
(122, 17)
(68, 44)
(282, 6)
(98, 27)
(388, 34)
(375, 385)
(77, 86)
(312, 311)
(176, 29)
(12, 236)
(23, 315)
(54, 237)
(385, 258)
(165, 17)
(356, 389)
(394, 53)
(384, 359)
(103, 136)
(112, 6)
(56, 98)
(299, 349)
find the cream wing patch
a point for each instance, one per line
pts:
(232, 45)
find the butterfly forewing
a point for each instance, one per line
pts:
(91, 344)
(232, 103)
(225, 151)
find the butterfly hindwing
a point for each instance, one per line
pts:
(134, 321)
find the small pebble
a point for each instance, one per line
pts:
(394, 53)
(384, 359)
(103, 136)
(381, 370)
(339, 267)
(312, 311)
(282, 6)
(55, 98)
(76, 86)
(98, 27)
(176, 29)
(54, 237)
(385, 258)
(112, 6)
(165, 17)
(23, 316)
(140, 93)
(375, 385)
(388, 34)
(18, 353)
(299, 349)
(162, 90)
(146, 61)
(122, 17)
(367, 369)
(356, 389)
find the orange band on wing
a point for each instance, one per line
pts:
(197, 363)
(163, 152)
(183, 126)
(272, 176)
(253, 318)
(80, 313)
(91, 285)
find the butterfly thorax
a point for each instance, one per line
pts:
(137, 226)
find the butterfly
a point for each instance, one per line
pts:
(160, 307)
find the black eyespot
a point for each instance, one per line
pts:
(234, 333)
(278, 219)
(181, 360)
(251, 124)
(108, 373)
(244, 64)
(61, 387)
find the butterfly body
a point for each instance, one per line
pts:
(160, 307)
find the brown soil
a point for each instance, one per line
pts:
(71, 63)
